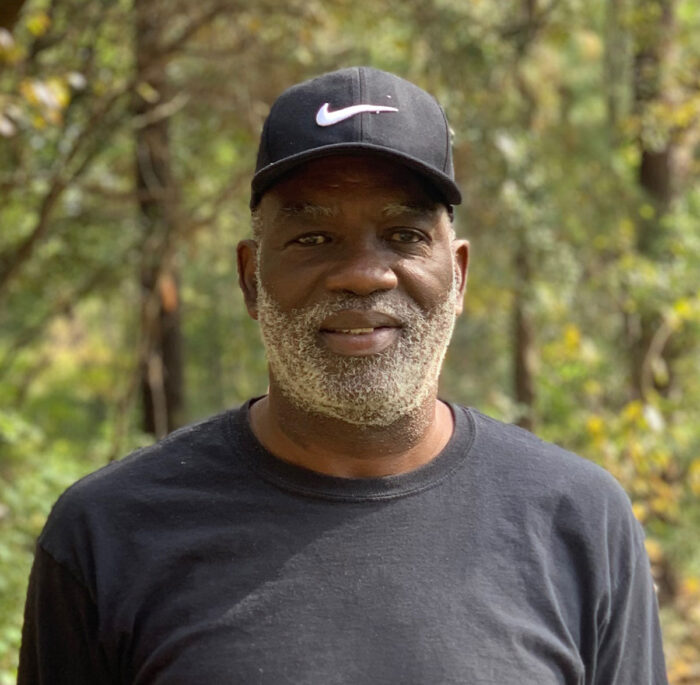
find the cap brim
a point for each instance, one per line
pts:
(269, 175)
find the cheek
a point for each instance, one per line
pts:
(429, 284)
(289, 287)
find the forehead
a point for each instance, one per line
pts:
(352, 179)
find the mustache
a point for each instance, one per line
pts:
(390, 303)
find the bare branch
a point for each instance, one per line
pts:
(175, 44)
(191, 225)
(11, 263)
(12, 259)
(61, 307)
(163, 111)
(655, 351)
(530, 26)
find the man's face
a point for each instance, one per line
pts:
(356, 283)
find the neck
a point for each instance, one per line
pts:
(336, 448)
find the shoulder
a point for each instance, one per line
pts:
(510, 448)
(536, 475)
(199, 442)
(118, 496)
(540, 489)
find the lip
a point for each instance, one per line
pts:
(355, 318)
(359, 333)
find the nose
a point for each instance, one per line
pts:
(362, 270)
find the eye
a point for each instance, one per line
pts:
(406, 235)
(311, 239)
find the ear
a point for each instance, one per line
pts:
(461, 256)
(246, 252)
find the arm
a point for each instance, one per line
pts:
(60, 635)
(629, 646)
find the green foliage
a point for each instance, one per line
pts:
(32, 472)
(549, 138)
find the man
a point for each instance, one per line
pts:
(348, 527)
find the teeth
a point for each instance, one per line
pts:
(355, 331)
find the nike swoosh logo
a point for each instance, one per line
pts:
(326, 118)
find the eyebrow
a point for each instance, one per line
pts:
(411, 208)
(308, 210)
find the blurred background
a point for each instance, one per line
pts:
(128, 132)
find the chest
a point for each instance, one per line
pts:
(375, 595)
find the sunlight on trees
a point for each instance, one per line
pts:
(126, 151)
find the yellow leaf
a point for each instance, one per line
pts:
(38, 122)
(640, 511)
(572, 338)
(694, 477)
(26, 89)
(595, 425)
(691, 586)
(38, 23)
(664, 506)
(646, 211)
(683, 308)
(653, 550)
(632, 412)
(148, 92)
(686, 113)
(680, 671)
(589, 45)
(60, 92)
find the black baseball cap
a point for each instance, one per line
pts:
(357, 110)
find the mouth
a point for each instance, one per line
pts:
(352, 331)
(359, 333)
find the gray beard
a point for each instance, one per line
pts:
(373, 390)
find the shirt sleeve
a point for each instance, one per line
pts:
(630, 650)
(59, 638)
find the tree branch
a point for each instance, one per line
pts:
(9, 13)
(61, 307)
(655, 351)
(13, 259)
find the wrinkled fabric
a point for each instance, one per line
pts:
(206, 559)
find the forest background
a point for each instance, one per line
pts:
(128, 131)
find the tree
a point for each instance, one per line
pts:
(160, 360)
(577, 164)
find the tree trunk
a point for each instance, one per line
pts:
(523, 329)
(615, 60)
(9, 13)
(161, 338)
(653, 36)
(523, 340)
